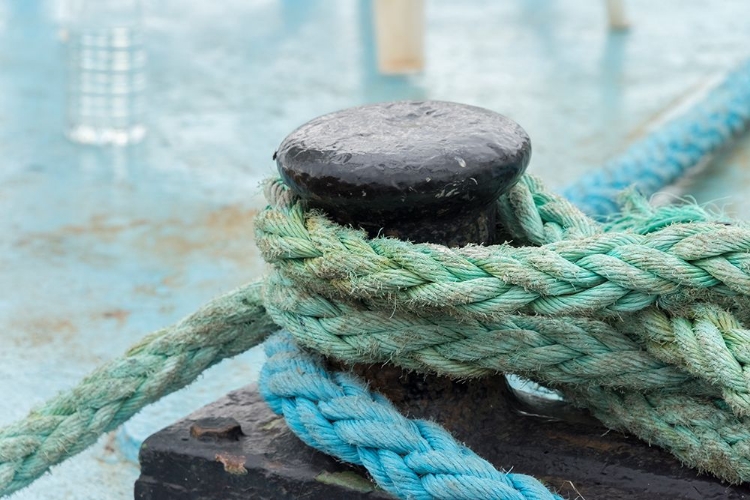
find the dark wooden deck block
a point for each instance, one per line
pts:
(266, 461)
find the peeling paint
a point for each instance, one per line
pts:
(348, 479)
(233, 464)
(276, 423)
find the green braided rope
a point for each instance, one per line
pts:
(702, 432)
(690, 423)
(606, 272)
(161, 363)
(640, 321)
(565, 350)
(643, 326)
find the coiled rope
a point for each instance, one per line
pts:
(618, 316)
(647, 318)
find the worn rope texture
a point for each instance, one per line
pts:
(605, 272)
(161, 363)
(668, 153)
(411, 459)
(690, 427)
(544, 312)
(171, 358)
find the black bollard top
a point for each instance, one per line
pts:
(401, 168)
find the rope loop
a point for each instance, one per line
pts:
(642, 319)
(643, 309)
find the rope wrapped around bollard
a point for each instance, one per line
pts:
(662, 353)
(643, 327)
(642, 320)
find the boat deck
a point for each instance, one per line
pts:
(100, 246)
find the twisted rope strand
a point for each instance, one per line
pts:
(616, 273)
(711, 344)
(564, 350)
(702, 432)
(161, 363)
(558, 352)
(411, 459)
(681, 259)
(700, 345)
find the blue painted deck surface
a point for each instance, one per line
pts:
(99, 246)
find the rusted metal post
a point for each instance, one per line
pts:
(427, 172)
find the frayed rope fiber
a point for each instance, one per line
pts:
(643, 320)
(161, 363)
(643, 326)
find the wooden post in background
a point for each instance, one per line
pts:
(616, 15)
(399, 35)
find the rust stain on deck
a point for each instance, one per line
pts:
(40, 330)
(119, 315)
(225, 233)
(102, 227)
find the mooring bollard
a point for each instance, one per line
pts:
(419, 171)
(426, 172)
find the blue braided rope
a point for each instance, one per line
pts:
(411, 459)
(667, 154)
